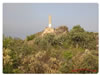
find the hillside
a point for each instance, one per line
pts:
(53, 50)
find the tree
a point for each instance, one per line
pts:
(77, 36)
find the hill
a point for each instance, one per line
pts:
(53, 50)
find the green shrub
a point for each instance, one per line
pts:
(31, 37)
(67, 54)
(6, 41)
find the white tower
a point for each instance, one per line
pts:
(49, 21)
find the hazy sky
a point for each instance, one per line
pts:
(21, 20)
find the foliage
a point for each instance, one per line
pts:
(6, 41)
(31, 37)
(47, 41)
(80, 38)
(67, 55)
(7, 61)
(52, 53)
(86, 61)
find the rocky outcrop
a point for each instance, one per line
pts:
(57, 31)
(61, 29)
(48, 30)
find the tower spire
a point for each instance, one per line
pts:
(49, 21)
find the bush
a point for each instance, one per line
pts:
(31, 37)
(6, 41)
(79, 38)
(7, 61)
(86, 61)
(67, 55)
(46, 42)
(41, 62)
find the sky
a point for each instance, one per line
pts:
(23, 19)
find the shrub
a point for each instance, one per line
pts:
(67, 55)
(31, 37)
(6, 41)
(86, 61)
(7, 61)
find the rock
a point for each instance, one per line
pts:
(48, 30)
(61, 29)
(57, 31)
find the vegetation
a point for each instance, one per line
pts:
(31, 37)
(73, 51)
